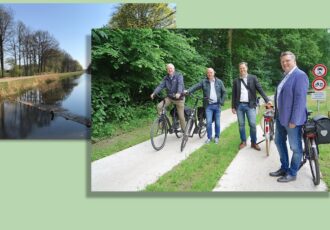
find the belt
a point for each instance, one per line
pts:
(244, 102)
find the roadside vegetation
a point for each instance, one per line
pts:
(10, 87)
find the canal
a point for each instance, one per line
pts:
(71, 94)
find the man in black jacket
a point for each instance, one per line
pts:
(214, 94)
(244, 102)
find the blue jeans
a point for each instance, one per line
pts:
(251, 117)
(294, 135)
(212, 110)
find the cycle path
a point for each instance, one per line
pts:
(249, 171)
(138, 166)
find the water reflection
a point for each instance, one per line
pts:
(19, 121)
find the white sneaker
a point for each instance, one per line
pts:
(207, 141)
(216, 140)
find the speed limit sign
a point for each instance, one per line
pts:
(319, 84)
(320, 70)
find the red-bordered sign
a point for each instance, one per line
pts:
(319, 84)
(320, 70)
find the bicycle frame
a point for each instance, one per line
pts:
(268, 127)
(170, 125)
(311, 150)
(194, 117)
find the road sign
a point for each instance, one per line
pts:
(321, 95)
(319, 84)
(320, 70)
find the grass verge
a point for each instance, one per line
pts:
(202, 170)
(136, 132)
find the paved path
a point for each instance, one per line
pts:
(250, 168)
(134, 168)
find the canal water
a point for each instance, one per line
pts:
(19, 121)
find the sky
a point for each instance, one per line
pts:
(70, 24)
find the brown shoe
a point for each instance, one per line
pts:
(242, 145)
(255, 146)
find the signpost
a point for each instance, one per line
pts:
(320, 70)
(319, 84)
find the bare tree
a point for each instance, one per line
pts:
(6, 19)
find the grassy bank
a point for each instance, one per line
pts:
(125, 136)
(14, 86)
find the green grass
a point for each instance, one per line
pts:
(133, 133)
(324, 158)
(201, 171)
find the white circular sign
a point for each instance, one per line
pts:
(320, 70)
(319, 84)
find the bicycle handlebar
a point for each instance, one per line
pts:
(201, 98)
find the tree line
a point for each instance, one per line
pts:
(127, 64)
(27, 52)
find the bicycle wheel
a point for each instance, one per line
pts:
(314, 164)
(202, 128)
(158, 133)
(186, 133)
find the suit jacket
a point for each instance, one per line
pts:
(254, 86)
(291, 107)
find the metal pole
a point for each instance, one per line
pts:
(318, 105)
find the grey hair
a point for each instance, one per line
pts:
(288, 53)
(243, 63)
(211, 69)
(170, 65)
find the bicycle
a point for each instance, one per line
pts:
(162, 126)
(267, 124)
(200, 127)
(311, 149)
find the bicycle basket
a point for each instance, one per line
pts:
(323, 129)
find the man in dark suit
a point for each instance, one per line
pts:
(244, 102)
(291, 114)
